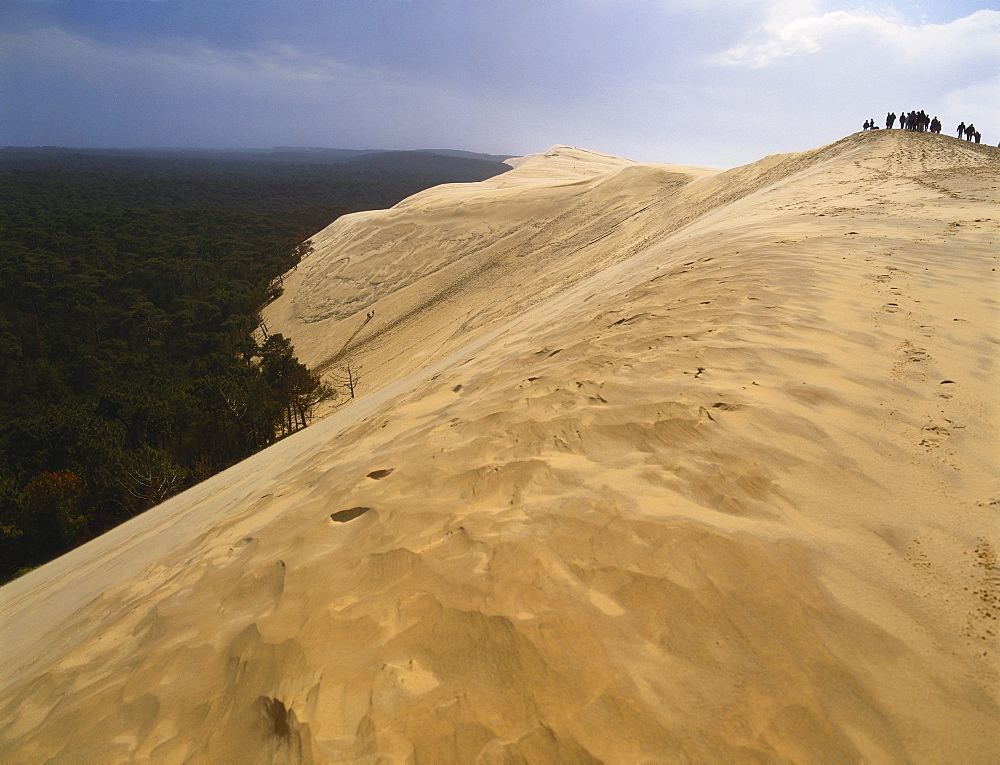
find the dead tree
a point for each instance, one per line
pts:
(349, 377)
(152, 477)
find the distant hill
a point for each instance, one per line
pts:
(279, 179)
(296, 154)
(422, 162)
(470, 154)
(346, 155)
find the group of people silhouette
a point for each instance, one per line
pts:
(920, 122)
(970, 132)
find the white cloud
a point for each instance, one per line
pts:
(796, 29)
(980, 101)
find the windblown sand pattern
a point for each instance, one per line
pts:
(649, 464)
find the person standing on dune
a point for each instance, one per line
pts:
(890, 120)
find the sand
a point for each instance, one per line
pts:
(649, 463)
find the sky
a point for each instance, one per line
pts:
(705, 82)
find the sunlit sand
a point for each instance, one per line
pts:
(648, 463)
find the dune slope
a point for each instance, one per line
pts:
(651, 463)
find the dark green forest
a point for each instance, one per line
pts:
(132, 363)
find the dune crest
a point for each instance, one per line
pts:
(650, 463)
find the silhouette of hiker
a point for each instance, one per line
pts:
(890, 120)
(866, 125)
(961, 128)
(970, 131)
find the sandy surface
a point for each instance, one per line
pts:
(650, 464)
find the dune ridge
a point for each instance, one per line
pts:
(651, 463)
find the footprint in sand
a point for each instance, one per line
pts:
(945, 392)
(911, 355)
(343, 516)
(984, 619)
(934, 434)
(916, 355)
(242, 544)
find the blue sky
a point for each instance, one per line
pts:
(685, 81)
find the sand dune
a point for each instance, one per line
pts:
(650, 464)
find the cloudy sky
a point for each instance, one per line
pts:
(713, 82)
